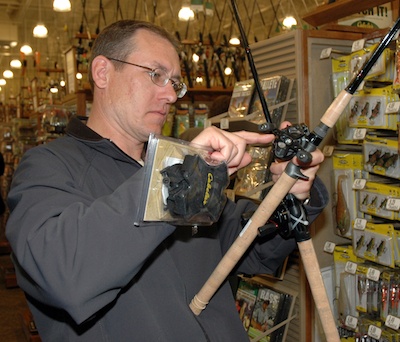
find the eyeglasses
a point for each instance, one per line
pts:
(159, 77)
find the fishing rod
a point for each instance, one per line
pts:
(268, 125)
(309, 143)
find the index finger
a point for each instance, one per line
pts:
(255, 138)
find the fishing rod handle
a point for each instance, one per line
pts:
(317, 286)
(242, 242)
(336, 108)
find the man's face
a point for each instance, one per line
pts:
(139, 106)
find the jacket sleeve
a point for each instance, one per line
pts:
(266, 254)
(74, 250)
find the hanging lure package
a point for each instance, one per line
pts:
(183, 185)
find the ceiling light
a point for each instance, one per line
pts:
(234, 40)
(195, 57)
(16, 64)
(185, 14)
(289, 22)
(54, 90)
(227, 71)
(26, 49)
(62, 83)
(8, 74)
(78, 76)
(3, 82)
(40, 31)
(13, 44)
(61, 5)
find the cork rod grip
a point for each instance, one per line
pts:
(334, 111)
(242, 242)
(313, 273)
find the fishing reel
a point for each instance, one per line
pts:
(292, 141)
(288, 220)
(195, 189)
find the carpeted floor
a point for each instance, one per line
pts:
(12, 305)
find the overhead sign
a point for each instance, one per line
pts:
(374, 18)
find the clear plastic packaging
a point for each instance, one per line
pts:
(200, 195)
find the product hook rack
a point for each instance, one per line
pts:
(307, 143)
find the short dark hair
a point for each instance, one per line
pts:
(114, 40)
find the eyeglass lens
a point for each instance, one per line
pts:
(161, 78)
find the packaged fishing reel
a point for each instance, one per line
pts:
(182, 185)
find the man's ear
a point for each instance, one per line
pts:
(100, 69)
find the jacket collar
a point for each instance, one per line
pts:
(77, 128)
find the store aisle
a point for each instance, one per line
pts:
(12, 304)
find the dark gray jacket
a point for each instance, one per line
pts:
(90, 274)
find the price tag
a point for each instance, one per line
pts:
(373, 274)
(329, 247)
(393, 204)
(224, 123)
(325, 53)
(351, 322)
(328, 150)
(358, 45)
(374, 332)
(360, 223)
(359, 133)
(392, 322)
(392, 107)
(359, 184)
(351, 267)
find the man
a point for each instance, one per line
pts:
(262, 317)
(89, 272)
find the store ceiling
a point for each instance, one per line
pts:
(261, 19)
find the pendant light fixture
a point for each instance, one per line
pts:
(289, 22)
(61, 5)
(40, 30)
(8, 74)
(26, 49)
(234, 40)
(16, 64)
(186, 13)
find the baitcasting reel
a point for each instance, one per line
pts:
(291, 141)
(289, 220)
